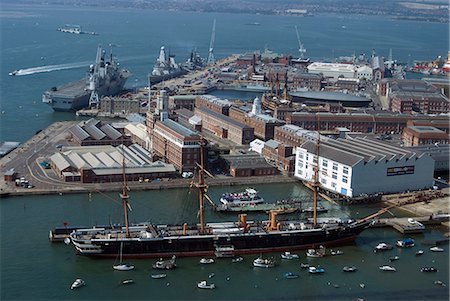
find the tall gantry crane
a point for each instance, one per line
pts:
(301, 49)
(211, 59)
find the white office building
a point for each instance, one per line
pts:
(356, 166)
(336, 70)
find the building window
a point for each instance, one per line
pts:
(344, 179)
(300, 164)
(335, 166)
(300, 155)
(334, 176)
(323, 181)
(333, 185)
(345, 170)
(325, 163)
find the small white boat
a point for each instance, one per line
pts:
(290, 275)
(428, 269)
(263, 263)
(387, 268)
(362, 285)
(123, 267)
(289, 255)
(165, 264)
(304, 265)
(237, 259)
(436, 249)
(128, 281)
(314, 270)
(439, 282)
(419, 253)
(349, 269)
(383, 247)
(391, 259)
(320, 252)
(206, 260)
(77, 283)
(336, 252)
(158, 276)
(204, 285)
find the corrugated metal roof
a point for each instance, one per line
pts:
(133, 170)
(111, 132)
(182, 130)
(92, 160)
(79, 133)
(107, 160)
(141, 152)
(94, 131)
(59, 161)
(77, 160)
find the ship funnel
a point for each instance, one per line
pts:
(243, 221)
(273, 221)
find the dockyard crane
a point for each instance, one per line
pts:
(211, 60)
(301, 49)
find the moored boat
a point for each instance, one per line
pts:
(387, 268)
(77, 283)
(349, 269)
(237, 259)
(406, 243)
(204, 285)
(158, 276)
(290, 275)
(263, 263)
(206, 260)
(383, 247)
(247, 197)
(419, 253)
(166, 264)
(394, 258)
(127, 281)
(316, 270)
(202, 239)
(336, 252)
(123, 267)
(320, 252)
(289, 255)
(304, 265)
(436, 249)
(428, 269)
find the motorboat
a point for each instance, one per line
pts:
(336, 252)
(316, 252)
(158, 276)
(263, 263)
(439, 282)
(249, 196)
(406, 243)
(391, 259)
(349, 269)
(362, 285)
(77, 283)
(314, 270)
(387, 268)
(319, 209)
(419, 253)
(167, 264)
(14, 73)
(436, 249)
(206, 260)
(204, 285)
(123, 267)
(289, 255)
(428, 269)
(383, 247)
(304, 265)
(290, 275)
(237, 259)
(211, 275)
(128, 281)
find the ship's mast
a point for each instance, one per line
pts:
(124, 195)
(315, 184)
(202, 187)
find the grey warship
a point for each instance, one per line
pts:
(104, 78)
(165, 68)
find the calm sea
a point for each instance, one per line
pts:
(34, 269)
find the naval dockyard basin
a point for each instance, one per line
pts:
(51, 162)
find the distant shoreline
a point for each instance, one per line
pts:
(13, 14)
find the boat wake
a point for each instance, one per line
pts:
(49, 68)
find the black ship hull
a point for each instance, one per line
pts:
(242, 243)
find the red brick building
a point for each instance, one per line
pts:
(213, 103)
(423, 135)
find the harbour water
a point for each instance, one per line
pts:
(47, 269)
(33, 269)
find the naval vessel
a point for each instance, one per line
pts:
(165, 68)
(104, 78)
(211, 239)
